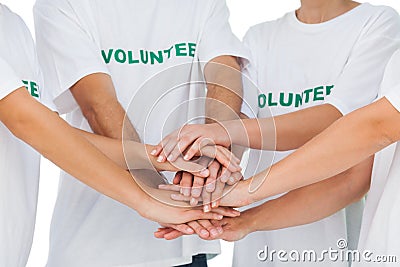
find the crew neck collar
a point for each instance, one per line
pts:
(320, 26)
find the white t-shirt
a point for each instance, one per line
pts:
(380, 229)
(298, 65)
(19, 163)
(131, 40)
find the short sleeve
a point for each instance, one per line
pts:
(391, 82)
(394, 97)
(67, 52)
(360, 80)
(217, 38)
(250, 80)
(9, 81)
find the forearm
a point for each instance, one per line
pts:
(224, 89)
(284, 132)
(312, 203)
(347, 142)
(96, 97)
(57, 141)
(127, 154)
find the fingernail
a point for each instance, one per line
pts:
(219, 217)
(220, 230)
(196, 192)
(186, 157)
(193, 202)
(210, 188)
(214, 232)
(162, 186)
(206, 208)
(190, 230)
(232, 180)
(214, 205)
(160, 159)
(204, 172)
(237, 213)
(174, 196)
(153, 152)
(186, 192)
(170, 158)
(204, 232)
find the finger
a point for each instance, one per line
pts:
(192, 167)
(162, 232)
(177, 178)
(169, 146)
(199, 229)
(206, 201)
(173, 235)
(224, 156)
(170, 187)
(217, 194)
(225, 175)
(197, 188)
(214, 231)
(183, 228)
(235, 178)
(186, 184)
(227, 160)
(229, 154)
(194, 201)
(157, 149)
(227, 212)
(193, 215)
(210, 182)
(180, 197)
(196, 147)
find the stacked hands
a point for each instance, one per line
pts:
(210, 186)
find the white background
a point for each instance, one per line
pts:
(243, 15)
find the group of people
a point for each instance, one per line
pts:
(165, 86)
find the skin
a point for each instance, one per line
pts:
(95, 95)
(56, 140)
(292, 131)
(347, 142)
(224, 100)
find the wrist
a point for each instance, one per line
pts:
(234, 131)
(252, 219)
(152, 160)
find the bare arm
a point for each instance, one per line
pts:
(347, 142)
(95, 95)
(280, 133)
(56, 140)
(52, 137)
(314, 202)
(284, 132)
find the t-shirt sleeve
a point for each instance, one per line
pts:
(67, 52)
(391, 82)
(250, 80)
(360, 80)
(217, 38)
(9, 81)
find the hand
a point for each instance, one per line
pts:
(234, 229)
(205, 229)
(196, 136)
(182, 165)
(228, 229)
(157, 211)
(233, 196)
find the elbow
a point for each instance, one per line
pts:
(360, 180)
